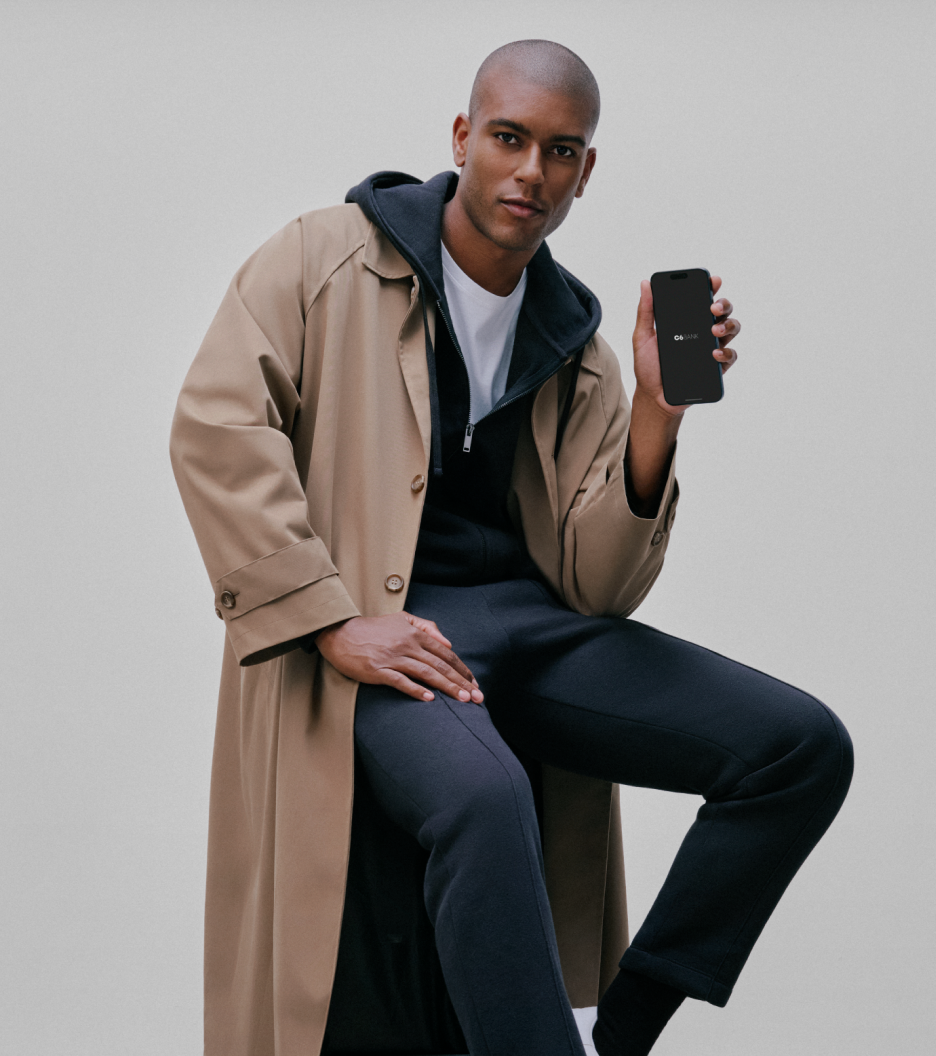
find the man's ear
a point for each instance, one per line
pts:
(590, 157)
(460, 130)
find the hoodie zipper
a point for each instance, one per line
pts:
(471, 426)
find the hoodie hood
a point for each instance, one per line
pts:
(563, 311)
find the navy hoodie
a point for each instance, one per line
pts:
(466, 536)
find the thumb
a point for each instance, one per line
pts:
(644, 330)
(429, 628)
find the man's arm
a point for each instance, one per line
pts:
(614, 529)
(654, 423)
(273, 578)
(274, 581)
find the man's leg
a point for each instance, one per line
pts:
(619, 700)
(442, 772)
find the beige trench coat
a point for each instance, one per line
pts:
(299, 444)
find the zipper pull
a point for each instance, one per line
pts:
(466, 446)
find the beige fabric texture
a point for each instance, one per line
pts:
(299, 430)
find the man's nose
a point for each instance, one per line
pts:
(530, 169)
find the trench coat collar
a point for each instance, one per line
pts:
(408, 213)
(381, 256)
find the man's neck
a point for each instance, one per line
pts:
(495, 269)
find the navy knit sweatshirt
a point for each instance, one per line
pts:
(465, 536)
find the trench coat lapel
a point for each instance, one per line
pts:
(383, 259)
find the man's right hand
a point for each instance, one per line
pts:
(399, 650)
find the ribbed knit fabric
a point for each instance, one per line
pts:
(632, 1014)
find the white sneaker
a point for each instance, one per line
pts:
(585, 1020)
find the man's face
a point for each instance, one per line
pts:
(524, 158)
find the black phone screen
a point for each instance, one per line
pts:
(682, 303)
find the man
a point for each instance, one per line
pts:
(404, 398)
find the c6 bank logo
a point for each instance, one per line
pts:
(685, 337)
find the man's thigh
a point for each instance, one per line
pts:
(620, 700)
(434, 765)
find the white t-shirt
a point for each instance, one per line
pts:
(485, 325)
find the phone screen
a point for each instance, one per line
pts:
(682, 303)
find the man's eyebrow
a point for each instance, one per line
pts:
(505, 122)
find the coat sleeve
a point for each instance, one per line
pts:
(610, 556)
(274, 581)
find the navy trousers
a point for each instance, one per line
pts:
(613, 699)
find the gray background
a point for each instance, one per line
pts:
(148, 148)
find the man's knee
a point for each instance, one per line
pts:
(825, 746)
(832, 750)
(810, 752)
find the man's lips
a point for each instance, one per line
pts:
(521, 207)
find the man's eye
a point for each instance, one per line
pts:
(504, 137)
(564, 151)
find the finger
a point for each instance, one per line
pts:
(716, 283)
(722, 307)
(449, 657)
(726, 356)
(387, 676)
(727, 330)
(644, 326)
(448, 671)
(429, 626)
(432, 672)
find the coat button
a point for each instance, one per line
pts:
(418, 483)
(227, 600)
(218, 614)
(657, 539)
(394, 583)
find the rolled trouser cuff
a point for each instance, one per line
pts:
(694, 983)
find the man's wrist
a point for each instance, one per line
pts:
(330, 627)
(647, 458)
(309, 642)
(657, 407)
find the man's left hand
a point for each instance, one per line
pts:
(647, 354)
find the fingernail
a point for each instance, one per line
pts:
(428, 696)
(464, 695)
(477, 696)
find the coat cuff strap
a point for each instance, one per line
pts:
(270, 603)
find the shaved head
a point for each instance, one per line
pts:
(544, 63)
(525, 154)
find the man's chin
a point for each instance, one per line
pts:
(517, 237)
(518, 241)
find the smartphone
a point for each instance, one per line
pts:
(682, 308)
